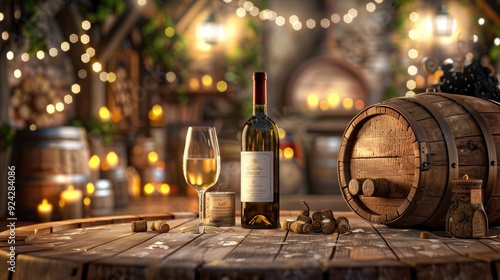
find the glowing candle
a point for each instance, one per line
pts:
(94, 164)
(45, 211)
(111, 161)
(71, 203)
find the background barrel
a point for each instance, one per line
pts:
(418, 145)
(47, 161)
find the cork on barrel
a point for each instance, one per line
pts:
(355, 186)
(375, 187)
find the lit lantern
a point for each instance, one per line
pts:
(444, 23)
(211, 32)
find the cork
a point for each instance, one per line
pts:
(300, 227)
(305, 219)
(328, 213)
(316, 226)
(139, 226)
(317, 216)
(160, 226)
(286, 224)
(343, 224)
(328, 226)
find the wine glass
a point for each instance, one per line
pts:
(201, 168)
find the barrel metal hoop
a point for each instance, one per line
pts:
(451, 147)
(490, 143)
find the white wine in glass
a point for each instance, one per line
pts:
(201, 168)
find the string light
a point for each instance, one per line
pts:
(247, 7)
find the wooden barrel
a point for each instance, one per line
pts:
(47, 161)
(416, 146)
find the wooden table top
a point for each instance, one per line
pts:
(106, 248)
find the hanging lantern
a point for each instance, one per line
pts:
(211, 31)
(444, 23)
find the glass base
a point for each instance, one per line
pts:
(196, 229)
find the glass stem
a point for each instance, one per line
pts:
(201, 199)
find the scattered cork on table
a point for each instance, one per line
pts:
(322, 221)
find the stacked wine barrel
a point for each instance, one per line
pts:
(47, 161)
(397, 158)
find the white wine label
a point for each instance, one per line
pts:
(257, 176)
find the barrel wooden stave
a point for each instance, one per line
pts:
(453, 143)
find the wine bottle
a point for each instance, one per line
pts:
(260, 163)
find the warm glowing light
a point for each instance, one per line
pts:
(53, 52)
(496, 41)
(59, 106)
(75, 88)
(17, 73)
(65, 46)
(5, 35)
(90, 188)
(221, 86)
(313, 100)
(282, 132)
(206, 80)
(165, 188)
(1, 16)
(335, 18)
(414, 16)
(170, 77)
(169, 31)
(86, 25)
(94, 162)
(40, 54)
(323, 105)
(288, 152)
(103, 76)
(51, 109)
(325, 23)
(85, 58)
(112, 159)
(32, 127)
(85, 39)
(240, 12)
(86, 201)
(359, 104)
(410, 93)
(25, 57)
(412, 70)
(156, 112)
(73, 38)
(280, 21)
(370, 7)
(111, 77)
(411, 84)
(71, 194)
(412, 53)
(10, 55)
(44, 207)
(347, 18)
(142, 2)
(152, 157)
(311, 23)
(297, 25)
(90, 51)
(353, 12)
(333, 99)
(104, 114)
(149, 188)
(194, 84)
(347, 103)
(68, 99)
(96, 66)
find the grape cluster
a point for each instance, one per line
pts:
(475, 80)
